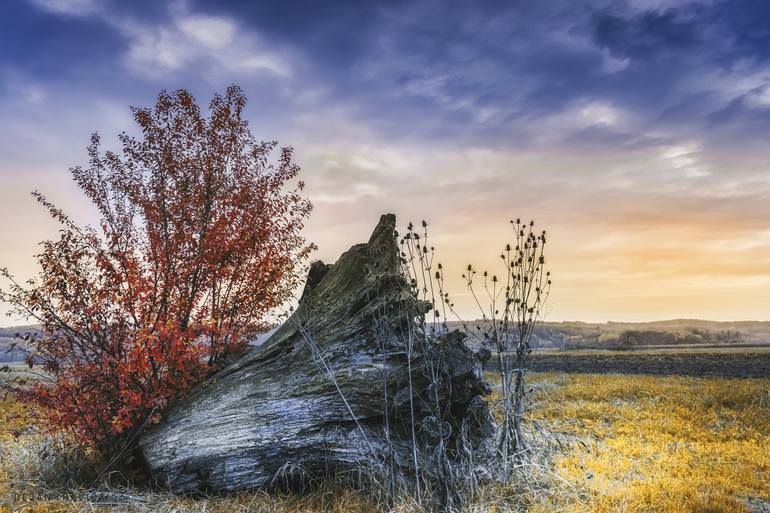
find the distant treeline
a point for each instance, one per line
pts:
(623, 335)
(630, 339)
(555, 335)
(12, 348)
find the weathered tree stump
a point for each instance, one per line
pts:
(277, 406)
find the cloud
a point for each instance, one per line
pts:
(649, 34)
(684, 159)
(68, 7)
(486, 74)
(612, 64)
(179, 40)
(215, 44)
(25, 90)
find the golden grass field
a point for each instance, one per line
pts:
(604, 443)
(647, 444)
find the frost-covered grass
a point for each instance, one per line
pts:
(649, 444)
(602, 444)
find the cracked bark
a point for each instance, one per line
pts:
(276, 407)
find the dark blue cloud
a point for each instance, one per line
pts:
(51, 46)
(338, 33)
(648, 35)
(484, 72)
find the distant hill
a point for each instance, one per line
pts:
(570, 335)
(12, 349)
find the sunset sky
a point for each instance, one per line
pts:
(636, 133)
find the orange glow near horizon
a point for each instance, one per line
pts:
(616, 252)
(631, 238)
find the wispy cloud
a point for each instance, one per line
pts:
(213, 44)
(180, 40)
(69, 7)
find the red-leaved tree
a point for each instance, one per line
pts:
(200, 239)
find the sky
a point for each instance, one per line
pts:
(636, 133)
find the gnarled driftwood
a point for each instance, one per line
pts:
(329, 389)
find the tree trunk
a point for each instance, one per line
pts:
(329, 390)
